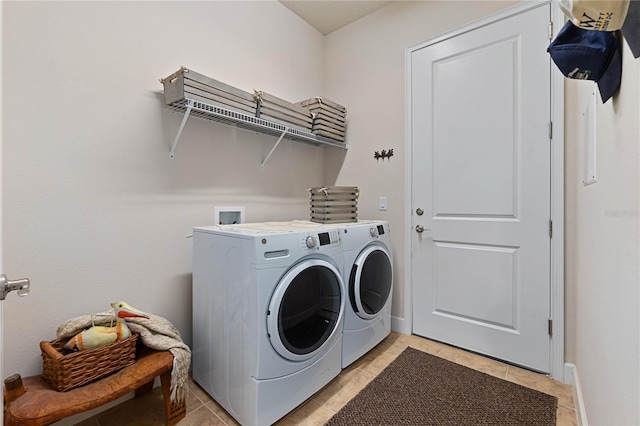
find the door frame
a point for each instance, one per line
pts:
(1, 198)
(556, 355)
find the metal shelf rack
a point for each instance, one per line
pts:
(191, 107)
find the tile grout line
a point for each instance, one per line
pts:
(204, 404)
(211, 411)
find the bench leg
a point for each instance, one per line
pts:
(144, 388)
(174, 412)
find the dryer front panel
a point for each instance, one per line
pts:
(370, 282)
(306, 310)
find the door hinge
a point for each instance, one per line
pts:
(550, 30)
(550, 228)
(550, 327)
(551, 130)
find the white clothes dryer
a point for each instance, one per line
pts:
(368, 276)
(268, 309)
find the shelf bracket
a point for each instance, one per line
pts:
(172, 152)
(286, 129)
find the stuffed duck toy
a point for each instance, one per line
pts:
(97, 336)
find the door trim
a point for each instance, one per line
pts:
(556, 356)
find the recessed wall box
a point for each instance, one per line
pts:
(229, 215)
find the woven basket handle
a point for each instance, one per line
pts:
(50, 350)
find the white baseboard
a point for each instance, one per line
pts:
(399, 325)
(571, 378)
(569, 369)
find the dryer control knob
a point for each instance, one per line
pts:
(310, 241)
(374, 232)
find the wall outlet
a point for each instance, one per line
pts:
(383, 204)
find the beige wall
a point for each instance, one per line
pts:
(94, 209)
(602, 260)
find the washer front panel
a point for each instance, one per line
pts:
(306, 309)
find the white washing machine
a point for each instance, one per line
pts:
(268, 309)
(368, 276)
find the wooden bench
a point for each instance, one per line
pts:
(42, 405)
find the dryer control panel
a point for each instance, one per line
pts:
(377, 230)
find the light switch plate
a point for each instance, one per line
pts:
(383, 204)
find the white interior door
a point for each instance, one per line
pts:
(480, 114)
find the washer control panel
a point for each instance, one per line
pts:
(321, 239)
(310, 241)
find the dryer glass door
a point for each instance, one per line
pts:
(306, 310)
(370, 282)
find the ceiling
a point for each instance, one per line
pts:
(329, 15)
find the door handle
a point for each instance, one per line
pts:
(22, 286)
(420, 229)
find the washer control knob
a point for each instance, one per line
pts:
(310, 241)
(373, 231)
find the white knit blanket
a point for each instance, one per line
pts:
(155, 332)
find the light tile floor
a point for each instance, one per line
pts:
(203, 411)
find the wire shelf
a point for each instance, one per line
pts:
(221, 115)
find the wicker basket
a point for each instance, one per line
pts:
(66, 370)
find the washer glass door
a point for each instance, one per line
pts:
(305, 311)
(370, 282)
